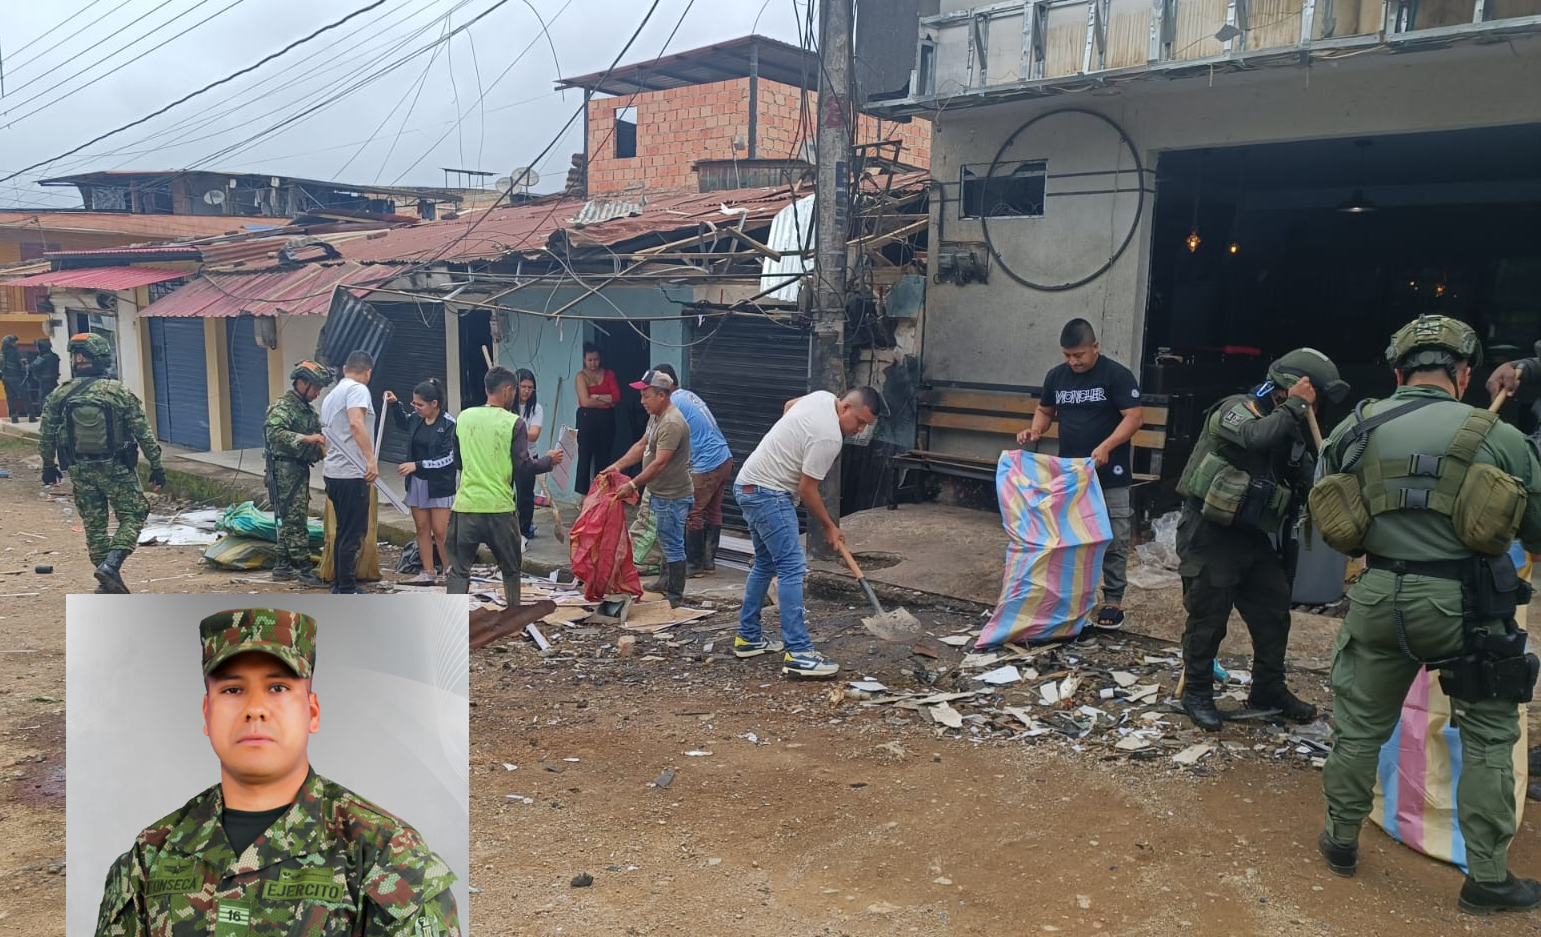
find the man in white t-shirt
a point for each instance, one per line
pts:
(347, 415)
(786, 468)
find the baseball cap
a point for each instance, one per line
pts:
(288, 636)
(654, 378)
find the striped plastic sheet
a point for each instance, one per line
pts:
(1057, 526)
(1420, 765)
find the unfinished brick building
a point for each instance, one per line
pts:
(739, 113)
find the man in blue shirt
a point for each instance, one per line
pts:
(711, 471)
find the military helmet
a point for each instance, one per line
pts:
(1431, 341)
(45, 345)
(91, 345)
(317, 374)
(10, 340)
(1308, 362)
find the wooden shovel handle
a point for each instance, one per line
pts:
(851, 561)
(1316, 428)
(1498, 400)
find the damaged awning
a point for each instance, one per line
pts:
(300, 292)
(99, 278)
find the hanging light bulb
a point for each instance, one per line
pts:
(1193, 240)
(1235, 248)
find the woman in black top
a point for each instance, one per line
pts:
(431, 473)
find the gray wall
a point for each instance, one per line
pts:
(1004, 333)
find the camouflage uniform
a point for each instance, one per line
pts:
(13, 372)
(288, 419)
(102, 483)
(332, 864)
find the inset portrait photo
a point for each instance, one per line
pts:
(267, 765)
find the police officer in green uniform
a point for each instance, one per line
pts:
(274, 849)
(1238, 487)
(292, 430)
(13, 373)
(1442, 489)
(94, 427)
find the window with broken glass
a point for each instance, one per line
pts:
(1013, 190)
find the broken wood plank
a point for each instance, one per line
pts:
(488, 626)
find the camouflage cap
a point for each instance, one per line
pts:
(288, 636)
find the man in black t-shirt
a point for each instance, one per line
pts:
(1097, 401)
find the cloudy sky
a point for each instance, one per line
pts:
(384, 99)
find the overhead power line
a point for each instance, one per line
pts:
(193, 94)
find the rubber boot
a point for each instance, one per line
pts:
(661, 584)
(676, 586)
(709, 548)
(1512, 894)
(283, 571)
(1198, 701)
(108, 572)
(695, 543)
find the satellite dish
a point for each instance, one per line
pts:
(503, 182)
(525, 177)
(214, 197)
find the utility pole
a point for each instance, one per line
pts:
(832, 225)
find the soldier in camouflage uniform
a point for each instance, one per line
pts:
(90, 428)
(322, 862)
(13, 372)
(44, 369)
(295, 443)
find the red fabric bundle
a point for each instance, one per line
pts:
(600, 547)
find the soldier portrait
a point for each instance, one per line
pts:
(267, 771)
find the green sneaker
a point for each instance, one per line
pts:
(742, 648)
(808, 664)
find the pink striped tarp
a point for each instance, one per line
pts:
(1420, 766)
(1057, 526)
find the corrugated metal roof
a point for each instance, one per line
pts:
(148, 227)
(303, 291)
(790, 232)
(100, 278)
(776, 61)
(596, 210)
(189, 250)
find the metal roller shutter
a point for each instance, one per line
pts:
(248, 365)
(417, 351)
(181, 377)
(745, 372)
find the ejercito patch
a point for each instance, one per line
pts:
(1234, 416)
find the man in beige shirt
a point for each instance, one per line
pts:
(664, 451)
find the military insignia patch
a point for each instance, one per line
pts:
(303, 885)
(1234, 417)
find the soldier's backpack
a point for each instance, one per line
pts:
(1484, 503)
(93, 426)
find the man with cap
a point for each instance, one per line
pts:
(94, 427)
(1424, 600)
(1245, 480)
(711, 472)
(292, 431)
(664, 451)
(44, 368)
(274, 848)
(13, 373)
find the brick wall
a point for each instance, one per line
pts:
(681, 125)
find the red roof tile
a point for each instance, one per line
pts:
(299, 292)
(99, 278)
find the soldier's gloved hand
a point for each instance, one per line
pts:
(158, 477)
(51, 475)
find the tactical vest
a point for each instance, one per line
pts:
(1484, 503)
(91, 425)
(1224, 492)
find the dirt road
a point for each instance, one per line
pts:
(805, 816)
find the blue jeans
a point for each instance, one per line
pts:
(778, 552)
(669, 518)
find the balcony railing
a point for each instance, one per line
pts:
(1048, 41)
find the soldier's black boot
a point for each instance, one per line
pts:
(283, 571)
(108, 572)
(306, 576)
(1512, 894)
(1198, 701)
(1341, 859)
(709, 548)
(1289, 705)
(695, 543)
(675, 572)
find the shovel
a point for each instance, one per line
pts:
(897, 625)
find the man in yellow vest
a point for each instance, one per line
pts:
(487, 453)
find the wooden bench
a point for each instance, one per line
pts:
(999, 416)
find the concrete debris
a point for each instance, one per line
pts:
(1193, 753)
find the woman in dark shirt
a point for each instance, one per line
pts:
(531, 416)
(431, 473)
